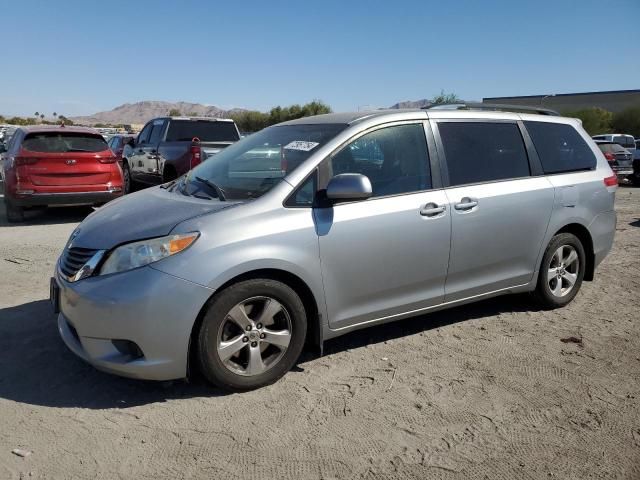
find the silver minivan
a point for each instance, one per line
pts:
(356, 220)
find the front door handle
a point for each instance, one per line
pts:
(432, 210)
(467, 203)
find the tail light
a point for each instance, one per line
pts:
(196, 153)
(610, 157)
(611, 181)
(107, 159)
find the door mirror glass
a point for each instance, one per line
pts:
(3, 148)
(349, 186)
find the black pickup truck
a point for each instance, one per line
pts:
(168, 147)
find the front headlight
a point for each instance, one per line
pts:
(138, 254)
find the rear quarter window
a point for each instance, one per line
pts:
(560, 147)
(58, 142)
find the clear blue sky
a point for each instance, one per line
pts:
(80, 57)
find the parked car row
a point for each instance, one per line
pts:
(323, 225)
(58, 165)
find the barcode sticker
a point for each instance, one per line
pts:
(301, 145)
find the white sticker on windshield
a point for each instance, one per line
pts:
(301, 145)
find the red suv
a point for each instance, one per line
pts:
(58, 166)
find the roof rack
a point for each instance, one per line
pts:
(494, 107)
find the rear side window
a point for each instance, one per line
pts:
(205, 130)
(560, 147)
(58, 142)
(483, 152)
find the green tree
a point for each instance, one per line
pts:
(37, 114)
(55, 115)
(174, 112)
(252, 121)
(594, 120)
(627, 121)
(445, 98)
(65, 120)
(41, 116)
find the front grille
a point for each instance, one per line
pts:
(73, 259)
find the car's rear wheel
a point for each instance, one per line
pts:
(561, 272)
(251, 334)
(14, 212)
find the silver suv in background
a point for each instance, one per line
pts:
(625, 141)
(324, 225)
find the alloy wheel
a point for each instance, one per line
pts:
(563, 270)
(254, 336)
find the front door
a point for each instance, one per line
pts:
(386, 256)
(137, 157)
(499, 211)
(151, 160)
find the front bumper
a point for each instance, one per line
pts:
(153, 309)
(75, 198)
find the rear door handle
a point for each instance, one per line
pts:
(432, 210)
(467, 203)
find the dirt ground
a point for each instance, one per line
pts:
(481, 391)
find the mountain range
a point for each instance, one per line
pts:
(142, 112)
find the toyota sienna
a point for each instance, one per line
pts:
(320, 226)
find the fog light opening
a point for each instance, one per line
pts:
(127, 347)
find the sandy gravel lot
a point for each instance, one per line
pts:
(482, 391)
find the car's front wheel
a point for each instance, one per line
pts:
(251, 334)
(126, 177)
(561, 272)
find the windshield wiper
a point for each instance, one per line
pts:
(167, 186)
(219, 192)
(69, 150)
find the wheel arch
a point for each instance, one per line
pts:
(314, 329)
(584, 236)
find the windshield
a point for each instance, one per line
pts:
(58, 142)
(204, 130)
(254, 165)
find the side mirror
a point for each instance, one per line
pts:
(3, 147)
(349, 186)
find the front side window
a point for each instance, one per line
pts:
(395, 159)
(156, 132)
(254, 165)
(560, 147)
(483, 151)
(144, 134)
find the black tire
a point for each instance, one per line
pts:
(126, 178)
(217, 320)
(15, 214)
(544, 293)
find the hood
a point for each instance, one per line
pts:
(153, 212)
